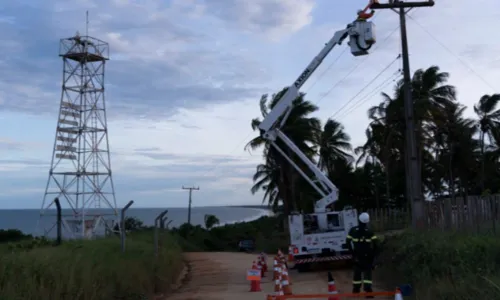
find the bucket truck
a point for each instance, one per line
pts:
(320, 236)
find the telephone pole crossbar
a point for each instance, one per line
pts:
(412, 160)
(190, 200)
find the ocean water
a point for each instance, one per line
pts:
(29, 221)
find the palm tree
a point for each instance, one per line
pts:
(455, 156)
(334, 144)
(430, 94)
(266, 179)
(211, 221)
(488, 121)
(369, 153)
(302, 130)
(454, 136)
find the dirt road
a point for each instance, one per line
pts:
(221, 276)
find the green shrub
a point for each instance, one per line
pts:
(29, 244)
(91, 270)
(267, 232)
(448, 265)
(12, 235)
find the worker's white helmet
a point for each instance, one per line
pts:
(364, 218)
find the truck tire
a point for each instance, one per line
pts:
(301, 268)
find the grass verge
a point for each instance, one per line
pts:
(91, 270)
(446, 265)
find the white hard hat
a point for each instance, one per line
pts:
(364, 218)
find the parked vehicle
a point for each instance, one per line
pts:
(246, 246)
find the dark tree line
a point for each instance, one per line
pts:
(459, 156)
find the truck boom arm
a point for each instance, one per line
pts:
(361, 38)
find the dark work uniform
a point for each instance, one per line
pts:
(363, 245)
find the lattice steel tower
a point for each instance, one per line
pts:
(80, 172)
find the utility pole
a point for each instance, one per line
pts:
(190, 200)
(412, 161)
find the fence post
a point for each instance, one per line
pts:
(158, 218)
(59, 221)
(122, 224)
(168, 223)
(162, 220)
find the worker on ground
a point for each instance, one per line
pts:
(362, 244)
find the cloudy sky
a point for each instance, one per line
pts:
(185, 77)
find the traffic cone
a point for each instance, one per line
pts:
(332, 289)
(282, 257)
(398, 295)
(264, 261)
(255, 284)
(285, 281)
(285, 266)
(276, 267)
(278, 291)
(259, 266)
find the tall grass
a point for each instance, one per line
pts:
(444, 265)
(91, 270)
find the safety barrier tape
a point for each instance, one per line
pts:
(326, 296)
(322, 259)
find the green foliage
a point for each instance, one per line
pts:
(131, 224)
(459, 155)
(447, 265)
(90, 270)
(12, 235)
(266, 231)
(211, 221)
(29, 244)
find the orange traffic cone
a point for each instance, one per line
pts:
(332, 289)
(285, 281)
(264, 262)
(255, 284)
(278, 291)
(281, 255)
(285, 266)
(398, 295)
(259, 266)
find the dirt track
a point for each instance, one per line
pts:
(221, 276)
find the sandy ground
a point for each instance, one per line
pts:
(221, 276)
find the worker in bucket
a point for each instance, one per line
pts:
(363, 15)
(362, 244)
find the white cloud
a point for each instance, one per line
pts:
(275, 18)
(185, 78)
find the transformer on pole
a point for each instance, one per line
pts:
(80, 172)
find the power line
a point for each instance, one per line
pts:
(355, 67)
(331, 65)
(372, 93)
(327, 69)
(368, 84)
(321, 75)
(452, 53)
